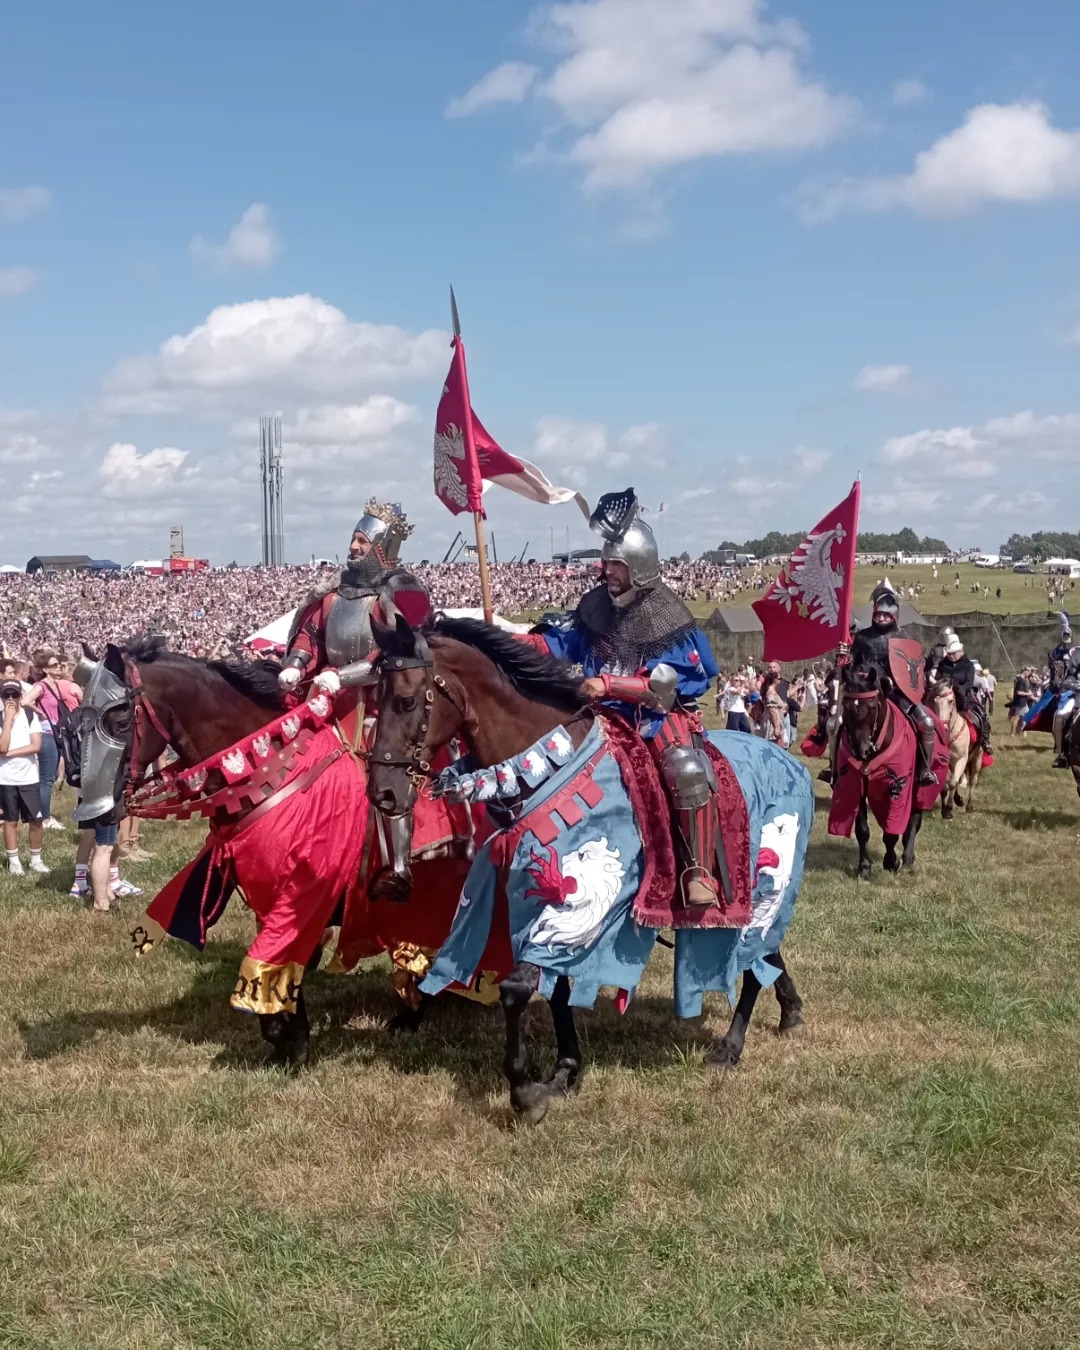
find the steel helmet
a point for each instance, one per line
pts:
(627, 540)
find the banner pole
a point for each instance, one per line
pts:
(850, 590)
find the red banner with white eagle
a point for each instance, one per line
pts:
(467, 459)
(807, 609)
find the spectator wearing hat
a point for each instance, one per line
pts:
(20, 797)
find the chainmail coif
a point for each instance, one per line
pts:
(642, 631)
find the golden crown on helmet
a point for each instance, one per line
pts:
(385, 525)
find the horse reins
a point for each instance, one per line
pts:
(859, 696)
(416, 767)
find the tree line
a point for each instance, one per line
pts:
(903, 541)
(1041, 545)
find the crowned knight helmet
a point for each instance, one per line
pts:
(386, 527)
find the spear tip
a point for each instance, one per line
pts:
(454, 313)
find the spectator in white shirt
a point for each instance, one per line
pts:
(20, 796)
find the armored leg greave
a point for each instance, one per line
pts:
(691, 787)
(395, 881)
(926, 737)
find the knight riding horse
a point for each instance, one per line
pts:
(1065, 677)
(886, 648)
(960, 670)
(644, 655)
(331, 647)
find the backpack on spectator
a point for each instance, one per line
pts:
(67, 732)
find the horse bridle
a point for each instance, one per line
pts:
(143, 711)
(416, 767)
(861, 695)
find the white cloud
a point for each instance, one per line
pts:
(18, 280)
(907, 92)
(508, 83)
(1000, 153)
(297, 349)
(646, 86)
(1004, 448)
(252, 242)
(126, 473)
(334, 429)
(810, 461)
(22, 203)
(883, 379)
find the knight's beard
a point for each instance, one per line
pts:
(362, 571)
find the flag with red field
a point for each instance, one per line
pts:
(467, 459)
(807, 609)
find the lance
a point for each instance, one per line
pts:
(474, 468)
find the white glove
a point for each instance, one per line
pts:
(289, 678)
(328, 681)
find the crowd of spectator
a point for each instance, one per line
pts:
(211, 613)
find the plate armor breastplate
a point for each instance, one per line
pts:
(348, 637)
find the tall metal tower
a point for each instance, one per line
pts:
(273, 516)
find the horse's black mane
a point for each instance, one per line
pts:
(256, 680)
(529, 671)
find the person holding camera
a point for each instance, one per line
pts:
(20, 795)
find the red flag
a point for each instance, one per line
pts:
(807, 609)
(467, 460)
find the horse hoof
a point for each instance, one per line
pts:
(863, 874)
(791, 1024)
(722, 1058)
(946, 815)
(408, 1020)
(530, 1103)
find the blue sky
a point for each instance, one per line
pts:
(729, 252)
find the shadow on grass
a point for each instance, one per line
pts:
(1036, 818)
(350, 1017)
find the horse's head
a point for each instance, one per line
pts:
(106, 725)
(941, 696)
(412, 723)
(139, 699)
(865, 700)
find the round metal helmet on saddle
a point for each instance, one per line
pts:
(628, 540)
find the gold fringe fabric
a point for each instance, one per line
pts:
(263, 988)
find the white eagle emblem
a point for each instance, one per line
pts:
(196, 780)
(261, 746)
(580, 889)
(233, 762)
(319, 705)
(449, 459)
(290, 728)
(813, 585)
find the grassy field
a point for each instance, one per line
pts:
(1019, 594)
(905, 1174)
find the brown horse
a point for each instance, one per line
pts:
(463, 679)
(965, 752)
(200, 709)
(868, 724)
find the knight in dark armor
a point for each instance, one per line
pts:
(1064, 665)
(963, 674)
(871, 651)
(331, 643)
(642, 652)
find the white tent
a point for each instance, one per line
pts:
(9, 567)
(276, 634)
